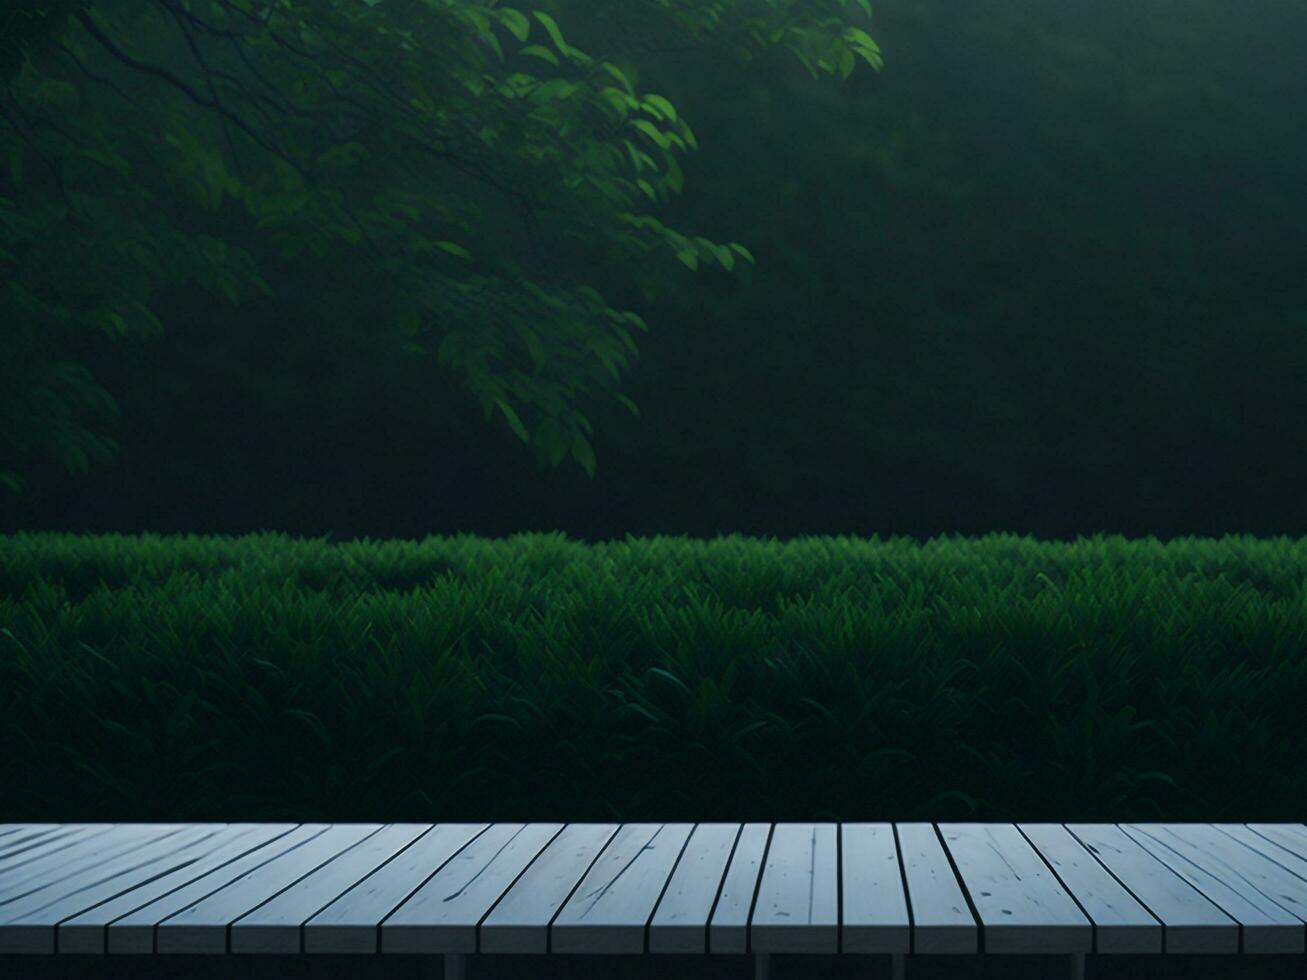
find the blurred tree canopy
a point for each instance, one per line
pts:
(1043, 275)
(152, 144)
(30, 25)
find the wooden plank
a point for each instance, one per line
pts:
(1296, 830)
(85, 853)
(616, 899)
(276, 925)
(86, 877)
(941, 921)
(1288, 836)
(27, 925)
(85, 932)
(680, 923)
(1021, 904)
(1265, 847)
(1121, 924)
(1190, 922)
(24, 853)
(1202, 856)
(798, 899)
(135, 932)
(350, 923)
(29, 834)
(728, 932)
(442, 915)
(202, 926)
(519, 922)
(874, 917)
(108, 870)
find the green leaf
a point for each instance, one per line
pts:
(534, 348)
(650, 130)
(860, 39)
(454, 249)
(846, 63)
(583, 454)
(737, 247)
(493, 41)
(551, 439)
(627, 403)
(552, 30)
(645, 186)
(142, 320)
(543, 53)
(617, 99)
(616, 72)
(639, 158)
(674, 179)
(516, 22)
(689, 257)
(514, 422)
(626, 340)
(555, 88)
(661, 105)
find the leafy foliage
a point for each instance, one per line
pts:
(821, 678)
(386, 131)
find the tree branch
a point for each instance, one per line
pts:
(183, 87)
(213, 91)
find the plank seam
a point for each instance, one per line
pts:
(132, 887)
(1175, 871)
(1268, 857)
(312, 871)
(599, 852)
(186, 884)
(721, 886)
(966, 894)
(839, 888)
(1142, 904)
(1274, 843)
(648, 923)
(1093, 926)
(907, 895)
(154, 932)
(513, 883)
(757, 889)
(457, 851)
(302, 937)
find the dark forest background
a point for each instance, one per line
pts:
(1043, 273)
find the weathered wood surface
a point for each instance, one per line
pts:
(1021, 904)
(461, 888)
(797, 910)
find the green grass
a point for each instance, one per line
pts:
(531, 678)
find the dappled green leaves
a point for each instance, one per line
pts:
(381, 129)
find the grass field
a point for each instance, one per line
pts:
(534, 678)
